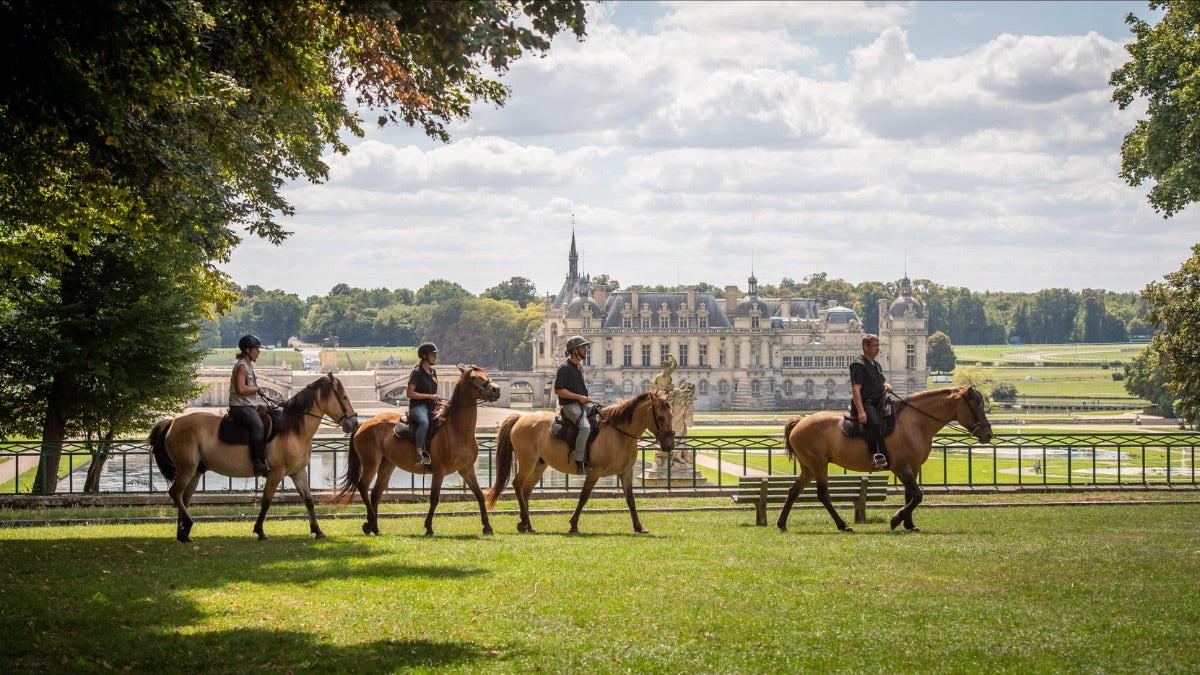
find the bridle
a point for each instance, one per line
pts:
(480, 388)
(953, 422)
(659, 434)
(341, 404)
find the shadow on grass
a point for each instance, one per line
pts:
(126, 603)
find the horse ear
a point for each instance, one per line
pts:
(330, 375)
(461, 369)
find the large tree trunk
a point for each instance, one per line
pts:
(92, 484)
(53, 431)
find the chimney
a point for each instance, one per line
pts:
(785, 308)
(633, 300)
(731, 298)
(691, 298)
(600, 293)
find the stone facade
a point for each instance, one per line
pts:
(740, 352)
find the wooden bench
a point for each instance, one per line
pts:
(857, 489)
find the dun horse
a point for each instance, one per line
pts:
(817, 440)
(187, 446)
(612, 453)
(375, 451)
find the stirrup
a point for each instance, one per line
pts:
(584, 466)
(879, 460)
(425, 458)
(262, 469)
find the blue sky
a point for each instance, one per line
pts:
(973, 144)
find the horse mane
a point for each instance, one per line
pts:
(622, 411)
(442, 412)
(931, 393)
(295, 408)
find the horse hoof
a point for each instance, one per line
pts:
(914, 528)
(366, 528)
(848, 530)
(642, 531)
(263, 537)
(487, 530)
(319, 535)
(782, 528)
(184, 539)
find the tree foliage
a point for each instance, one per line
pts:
(1163, 68)
(1145, 378)
(940, 353)
(1175, 303)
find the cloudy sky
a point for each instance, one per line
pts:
(973, 144)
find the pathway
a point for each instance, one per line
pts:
(732, 468)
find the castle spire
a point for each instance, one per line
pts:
(573, 258)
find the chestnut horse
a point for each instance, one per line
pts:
(375, 451)
(187, 446)
(612, 453)
(817, 440)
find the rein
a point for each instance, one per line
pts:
(659, 434)
(952, 422)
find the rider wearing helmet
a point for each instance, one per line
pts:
(244, 398)
(572, 395)
(868, 387)
(423, 396)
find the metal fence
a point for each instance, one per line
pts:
(1060, 459)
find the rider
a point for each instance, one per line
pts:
(423, 396)
(572, 395)
(868, 387)
(245, 396)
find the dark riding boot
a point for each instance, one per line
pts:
(258, 456)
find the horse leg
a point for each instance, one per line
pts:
(588, 484)
(627, 487)
(523, 485)
(435, 493)
(913, 495)
(823, 496)
(181, 493)
(300, 478)
(381, 485)
(473, 482)
(268, 494)
(801, 482)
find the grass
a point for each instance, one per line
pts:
(1061, 353)
(1086, 588)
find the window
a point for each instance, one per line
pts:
(755, 355)
(683, 355)
(830, 385)
(754, 322)
(910, 357)
(787, 362)
(808, 362)
(627, 321)
(628, 349)
(787, 387)
(645, 356)
(703, 388)
(664, 351)
(608, 356)
(587, 321)
(702, 355)
(704, 321)
(721, 356)
(754, 388)
(810, 388)
(723, 388)
(627, 386)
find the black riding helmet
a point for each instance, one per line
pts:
(575, 343)
(426, 349)
(249, 342)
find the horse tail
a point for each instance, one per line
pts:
(787, 437)
(353, 474)
(158, 443)
(504, 459)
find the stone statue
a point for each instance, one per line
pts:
(683, 400)
(662, 381)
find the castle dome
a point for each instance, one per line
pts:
(906, 302)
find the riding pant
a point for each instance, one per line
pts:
(420, 415)
(576, 413)
(871, 430)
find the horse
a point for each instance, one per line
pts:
(817, 440)
(612, 453)
(375, 451)
(187, 446)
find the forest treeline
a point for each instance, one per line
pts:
(494, 328)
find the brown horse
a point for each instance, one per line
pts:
(817, 440)
(375, 450)
(187, 446)
(612, 454)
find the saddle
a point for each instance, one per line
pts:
(233, 433)
(565, 430)
(406, 428)
(887, 421)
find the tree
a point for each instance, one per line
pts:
(1163, 67)
(440, 290)
(1004, 391)
(1146, 378)
(1175, 303)
(517, 289)
(972, 376)
(940, 353)
(171, 128)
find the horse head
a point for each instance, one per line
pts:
(480, 384)
(664, 420)
(340, 410)
(971, 416)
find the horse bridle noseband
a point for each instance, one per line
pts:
(341, 404)
(659, 434)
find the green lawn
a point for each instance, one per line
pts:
(1068, 353)
(1018, 589)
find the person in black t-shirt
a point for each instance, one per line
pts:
(868, 386)
(423, 396)
(572, 394)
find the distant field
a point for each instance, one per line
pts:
(349, 358)
(1066, 353)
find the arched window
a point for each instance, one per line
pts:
(787, 387)
(723, 387)
(754, 388)
(830, 386)
(810, 388)
(627, 387)
(703, 388)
